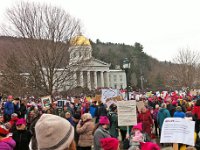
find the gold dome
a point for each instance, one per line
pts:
(79, 41)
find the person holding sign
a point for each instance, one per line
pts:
(112, 115)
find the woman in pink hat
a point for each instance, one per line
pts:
(136, 137)
(21, 135)
(101, 132)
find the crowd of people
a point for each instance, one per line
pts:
(27, 125)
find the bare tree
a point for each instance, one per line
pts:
(184, 70)
(44, 33)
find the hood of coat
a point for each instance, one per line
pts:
(7, 143)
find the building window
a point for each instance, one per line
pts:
(121, 86)
(120, 77)
(115, 86)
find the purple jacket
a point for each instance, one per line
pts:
(7, 144)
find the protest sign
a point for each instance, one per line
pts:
(178, 130)
(108, 93)
(97, 98)
(193, 92)
(46, 101)
(126, 113)
(62, 102)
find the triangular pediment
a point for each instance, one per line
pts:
(96, 62)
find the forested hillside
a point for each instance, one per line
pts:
(144, 68)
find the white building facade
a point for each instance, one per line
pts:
(92, 73)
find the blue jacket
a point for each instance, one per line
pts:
(179, 114)
(9, 108)
(93, 110)
(162, 114)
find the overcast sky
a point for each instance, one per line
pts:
(162, 26)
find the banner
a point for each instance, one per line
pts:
(46, 101)
(108, 93)
(178, 130)
(126, 113)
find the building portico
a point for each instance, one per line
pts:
(88, 71)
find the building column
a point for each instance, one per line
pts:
(81, 78)
(102, 79)
(107, 81)
(88, 80)
(75, 79)
(95, 80)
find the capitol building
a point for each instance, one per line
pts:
(92, 73)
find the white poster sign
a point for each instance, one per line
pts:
(126, 113)
(178, 130)
(108, 93)
(46, 101)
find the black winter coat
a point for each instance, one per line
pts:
(22, 111)
(22, 139)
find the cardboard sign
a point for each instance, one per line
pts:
(108, 93)
(46, 101)
(126, 113)
(178, 130)
(98, 98)
(193, 93)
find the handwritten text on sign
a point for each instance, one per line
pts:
(178, 130)
(126, 113)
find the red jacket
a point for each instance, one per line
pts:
(196, 110)
(146, 120)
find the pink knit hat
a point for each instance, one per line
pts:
(104, 120)
(137, 127)
(149, 146)
(109, 143)
(21, 121)
(10, 97)
(174, 102)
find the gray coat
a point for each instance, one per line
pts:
(99, 134)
